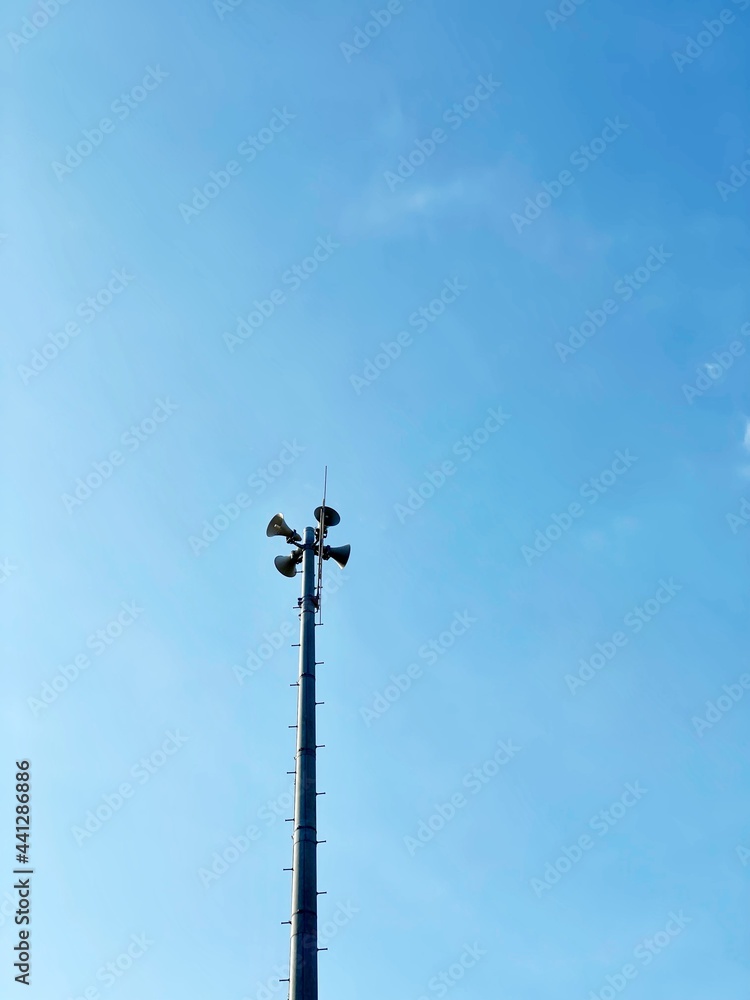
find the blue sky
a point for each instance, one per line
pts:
(238, 245)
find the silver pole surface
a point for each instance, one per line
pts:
(303, 967)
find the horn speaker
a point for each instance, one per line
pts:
(339, 553)
(332, 517)
(278, 526)
(286, 565)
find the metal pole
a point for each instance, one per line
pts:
(303, 966)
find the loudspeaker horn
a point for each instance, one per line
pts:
(286, 565)
(339, 553)
(278, 526)
(332, 517)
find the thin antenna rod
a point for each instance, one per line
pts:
(319, 594)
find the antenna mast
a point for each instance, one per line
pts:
(319, 588)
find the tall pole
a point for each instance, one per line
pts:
(303, 962)
(303, 966)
